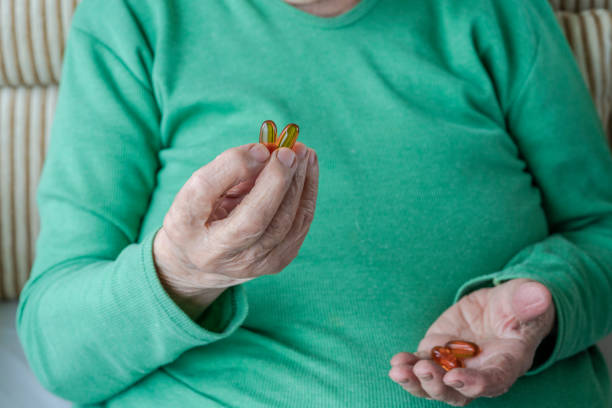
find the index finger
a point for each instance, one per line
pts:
(195, 201)
(249, 220)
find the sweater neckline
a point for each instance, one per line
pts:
(296, 15)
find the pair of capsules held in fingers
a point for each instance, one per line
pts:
(453, 353)
(287, 138)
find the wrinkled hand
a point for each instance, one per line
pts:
(243, 215)
(508, 322)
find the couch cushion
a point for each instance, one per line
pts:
(25, 119)
(32, 37)
(589, 34)
(579, 5)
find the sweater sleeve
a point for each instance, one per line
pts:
(93, 318)
(553, 120)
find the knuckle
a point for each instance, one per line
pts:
(280, 175)
(436, 391)
(276, 261)
(279, 226)
(437, 395)
(197, 175)
(237, 268)
(308, 212)
(251, 256)
(266, 266)
(275, 231)
(477, 390)
(293, 189)
(230, 161)
(170, 223)
(232, 155)
(253, 229)
(311, 189)
(246, 231)
(179, 222)
(200, 180)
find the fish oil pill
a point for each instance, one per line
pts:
(445, 358)
(462, 349)
(287, 138)
(267, 135)
(453, 353)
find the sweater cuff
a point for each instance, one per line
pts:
(549, 350)
(220, 319)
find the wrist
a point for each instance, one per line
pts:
(193, 300)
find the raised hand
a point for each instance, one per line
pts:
(243, 215)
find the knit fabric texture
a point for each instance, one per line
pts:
(457, 150)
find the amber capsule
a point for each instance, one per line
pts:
(462, 349)
(445, 358)
(267, 135)
(288, 136)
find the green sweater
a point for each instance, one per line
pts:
(458, 148)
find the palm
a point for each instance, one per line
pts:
(489, 318)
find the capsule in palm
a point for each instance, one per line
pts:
(267, 135)
(462, 349)
(288, 136)
(445, 358)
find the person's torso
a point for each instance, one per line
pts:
(421, 188)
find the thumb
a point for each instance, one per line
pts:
(530, 300)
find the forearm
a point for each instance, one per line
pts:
(92, 328)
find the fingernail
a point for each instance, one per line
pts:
(426, 377)
(457, 384)
(313, 155)
(259, 152)
(286, 156)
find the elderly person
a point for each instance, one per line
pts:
(462, 189)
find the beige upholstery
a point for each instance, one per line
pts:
(32, 37)
(580, 5)
(25, 115)
(589, 34)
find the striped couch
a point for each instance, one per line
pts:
(32, 38)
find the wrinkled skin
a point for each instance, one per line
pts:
(243, 215)
(508, 322)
